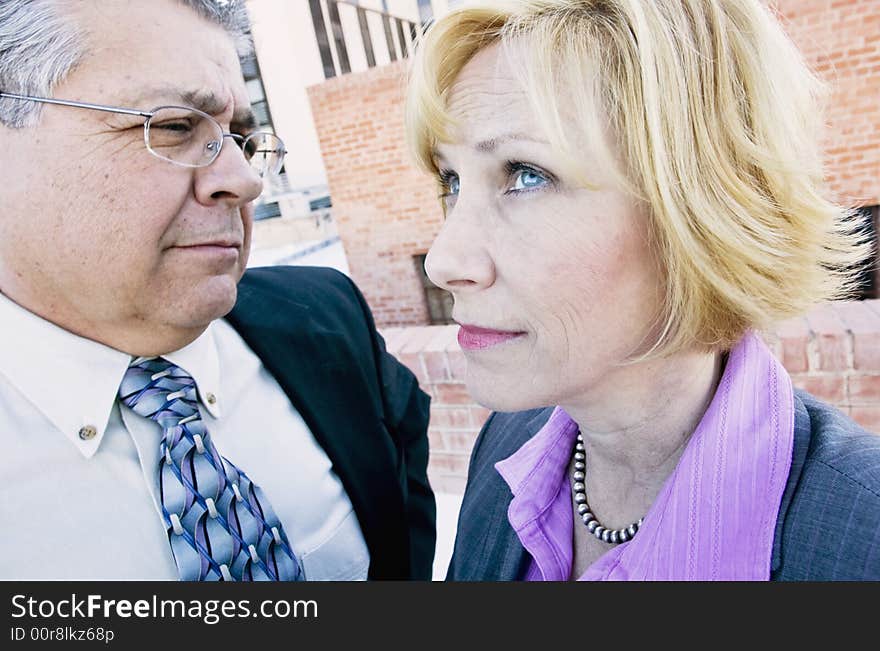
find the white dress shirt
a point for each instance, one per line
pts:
(79, 494)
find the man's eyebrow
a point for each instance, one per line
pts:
(244, 120)
(163, 95)
(205, 101)
(208, 102)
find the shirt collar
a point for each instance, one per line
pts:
(714, 517)
(73, 381)
(733, 472)
(201, 360)
(535, 471)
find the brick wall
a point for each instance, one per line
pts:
(833, 352)
(841, 41)
(387, 212)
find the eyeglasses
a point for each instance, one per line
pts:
(189, 137)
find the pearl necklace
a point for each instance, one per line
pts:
(578, 488)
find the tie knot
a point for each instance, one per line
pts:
(155, 388)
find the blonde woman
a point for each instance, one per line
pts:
(631, 192)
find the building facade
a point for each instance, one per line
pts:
(332, 74)
(298, 44)
(388, 214)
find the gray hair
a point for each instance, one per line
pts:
(40, 45)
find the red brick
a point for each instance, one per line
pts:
(459, 441)
(794, 335)
(449, 462)
(479, 416)
(445, 418)
(832, 352)
(864, 389)
(833, 34)
(864, 325)
(867, 417)
(457, 364)
(452, 394)
(866, 351)
(773, 343)
(435, 441)
(413, 361)
(436, 366)
(830, 337)
(830, 388)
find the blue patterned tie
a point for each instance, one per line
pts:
(220, 524)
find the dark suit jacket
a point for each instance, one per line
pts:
(829, 518)
(314, 333)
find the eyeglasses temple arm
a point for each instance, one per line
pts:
(84, 105)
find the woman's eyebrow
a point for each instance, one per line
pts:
(489, 145)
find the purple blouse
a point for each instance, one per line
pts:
(715, 515)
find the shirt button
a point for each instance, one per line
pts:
(211, 398)
(87, 432)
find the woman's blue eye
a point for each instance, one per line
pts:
(527, 179)
(449, 183)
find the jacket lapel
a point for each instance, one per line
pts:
(802, 436)
(499, 555)
(488, 549)
(329, 384)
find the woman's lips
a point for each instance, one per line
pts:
(476, 338)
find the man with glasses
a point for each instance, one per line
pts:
(163, 414)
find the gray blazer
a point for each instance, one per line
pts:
(828, 528)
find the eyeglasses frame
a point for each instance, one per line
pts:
(148, 115)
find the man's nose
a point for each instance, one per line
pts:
(230, 178)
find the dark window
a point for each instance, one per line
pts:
(401, 37)
(249, 67)
(266, 211)
(330, 36)
(338, 37)
(253, 79)
(320, 203)
(366, 37)
(261, 111)
(439, 301)
(322, 39)
(389, 39)
(869, 273)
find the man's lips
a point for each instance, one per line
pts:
(225, 248)
(221, 244)
(471, 337)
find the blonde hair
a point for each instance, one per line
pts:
(717, 123)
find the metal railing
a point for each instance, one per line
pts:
(358, 37)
